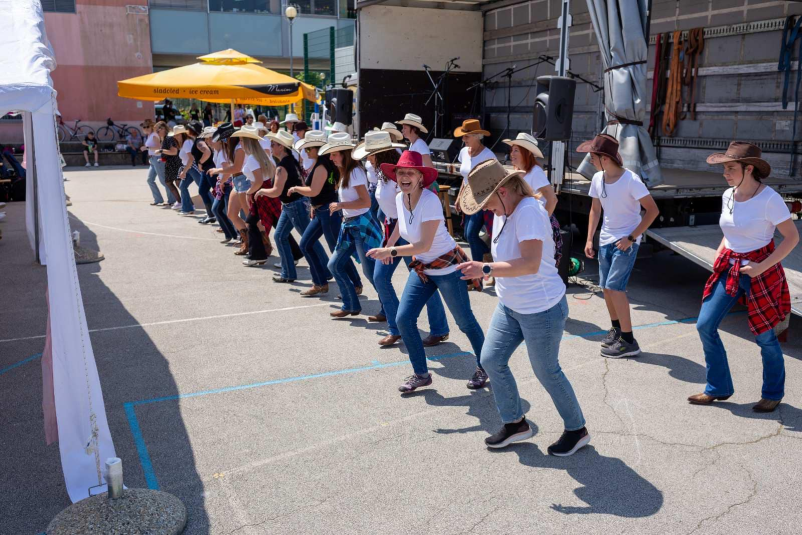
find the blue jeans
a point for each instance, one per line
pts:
(205, 189)
(719, 379)
(156, 170)
(193, 175)
(338, 264)
(542, 333)
(313, 250)
(417, 294)
(328, 225)
(383, 279)
(615, 266)
(473, 226)
(296, 214)
(374, 204)
(220, 211)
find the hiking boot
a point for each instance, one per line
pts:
(612, 335)
(510, 433)
(570, 442)
(478, 380)
(620, 349)
(413, 382)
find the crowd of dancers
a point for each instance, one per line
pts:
(376, 203)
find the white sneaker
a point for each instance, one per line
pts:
(88, 164)
(97, 164)
(2, 215)
(2, 205)
(177, 206)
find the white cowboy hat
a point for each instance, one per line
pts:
(178, 129)
(527, 142)
(282, 137)
(248, 131)
(290, 118)
(392, 130)
(313, 138)
(337, 127)
(260, 125)
(208, 131)
(413, 120)
(337, 142)
(375, 141)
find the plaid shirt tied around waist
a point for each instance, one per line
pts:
(768, 300)
(366, 227)
(267, 208)
(451, 258)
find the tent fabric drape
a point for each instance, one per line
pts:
(620, 27)
(83, 431)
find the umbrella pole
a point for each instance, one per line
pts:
(232, 111)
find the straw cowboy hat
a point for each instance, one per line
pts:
(290, 118)
(375, 141)
(313, 138)
(208, 131)
(178, 129)
(411, 160)
(259, 125)
(483, 181)
(470, 126)
(413, 120)
(746, 153)
(337, 127)
(392, 130)
(223, 132)
(337, 142)
(282, 137)
(525, 141)
(603, 145)
(249, 131)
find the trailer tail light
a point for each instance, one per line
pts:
(794, 207)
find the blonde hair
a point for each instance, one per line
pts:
(520, 186)
(253, 148)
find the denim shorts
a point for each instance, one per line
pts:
(615, 266)
(241, 184)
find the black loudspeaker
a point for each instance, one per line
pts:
(341, 105)
(554, 108)
(445, 150)
(565, 261)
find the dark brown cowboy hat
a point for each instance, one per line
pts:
(741, 151)
(604, 145)
(470, 126)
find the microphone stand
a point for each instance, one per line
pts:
(439, 102)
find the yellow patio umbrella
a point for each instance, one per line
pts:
(228, 56)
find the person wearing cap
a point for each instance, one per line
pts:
(172, 166)
(154, 137)
(360, 232)
(434, 266)
(748, 266)
(205, 158)
(621, 194)
(222, 182)
(412, 128)
(379, 148)
(524, 154)
(532, 307)
(472, 154)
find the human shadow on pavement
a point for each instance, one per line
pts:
(480, 405)
(678, 367)
(789, 416)
(609, 485)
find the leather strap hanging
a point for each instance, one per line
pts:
(661, 57)
(674, 89)
(693, 49)
(791, 34)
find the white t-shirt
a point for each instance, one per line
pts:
(621, 205)
(371, 171)
(358, 178)
(467, 162)
(528, 294)
(219, 158)
(186, 150)
(420, 147)
(386, 192)
(537, 179)
(752, 222)
(428, 208)
(153, 143)
(306, 161)
(248, 167)
(265, 144)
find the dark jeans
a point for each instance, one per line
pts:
(193, 175)
(338, 264)
(205, 189)
(296, 215)
(473, 225)
(133, 152)
(220, 211)
(328, 225)
(256, 248)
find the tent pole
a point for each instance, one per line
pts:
(32, 170)
(232, 111)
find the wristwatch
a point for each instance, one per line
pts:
(630, 238)
(487, 269)
(393, 252)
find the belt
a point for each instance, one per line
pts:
(346, 219)
(238, 175)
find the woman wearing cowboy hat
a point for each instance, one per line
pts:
(472, 154)
(154, 137)
(379, 149)
(412, 128)
(747, 266)
(222, 183)
(203, 152)
(232, 171)
(621, 194)
(172, 166)
(532, 307)
(360, 232)
(524, 154)
(434, 267)
(189, 167)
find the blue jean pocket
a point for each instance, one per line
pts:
(745, 282)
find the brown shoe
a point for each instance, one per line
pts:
(704, 399)
(243, 249)
(358, 290)
(267, 244)
(378, 318)
(315, 290)
(344, 313)
(766, 405)
(389, 340)
(431, 341)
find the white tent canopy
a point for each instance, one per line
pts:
(26, 87)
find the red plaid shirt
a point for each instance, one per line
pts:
(769, 300)
(267, 208)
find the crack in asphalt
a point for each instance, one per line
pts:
(748, 499)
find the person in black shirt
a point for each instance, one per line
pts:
(194, 113)
(208, 115)
(90, 146)
(169, 112)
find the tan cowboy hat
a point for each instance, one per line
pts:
(483, 181)
(413, 120)
(337, 142)
(375, 141)
(527, 142)
(282, 137)
(741, 151)
(470, 126)
(178, 129)
(249, 131)
(393, 131)
(313, 138)
(290, 118)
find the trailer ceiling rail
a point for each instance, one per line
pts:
(733, 29)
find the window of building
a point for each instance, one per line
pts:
(59, 6)
(187, 5)
(245, 6)
(325, 7)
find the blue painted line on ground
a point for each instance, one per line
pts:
(20, 363)
(141, 448)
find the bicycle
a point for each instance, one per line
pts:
(77, 132)
(115, 132)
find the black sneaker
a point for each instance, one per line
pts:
(413, 382)
(570, 443)
(620, 349)
(612, 335)
(510, 433)
(478, 380)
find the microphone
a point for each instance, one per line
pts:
(457, 66)
(426, 66)
(454, 59)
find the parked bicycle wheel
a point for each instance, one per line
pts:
(63, 134)
(133, 131)
(105, 134)
(80, 134)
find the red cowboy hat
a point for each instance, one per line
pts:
(411, 160)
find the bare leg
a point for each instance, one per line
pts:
(233, 211)
(608, 300)
(95, 156)
(621, 304)
(86, 156)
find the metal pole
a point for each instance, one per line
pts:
(292, 73)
